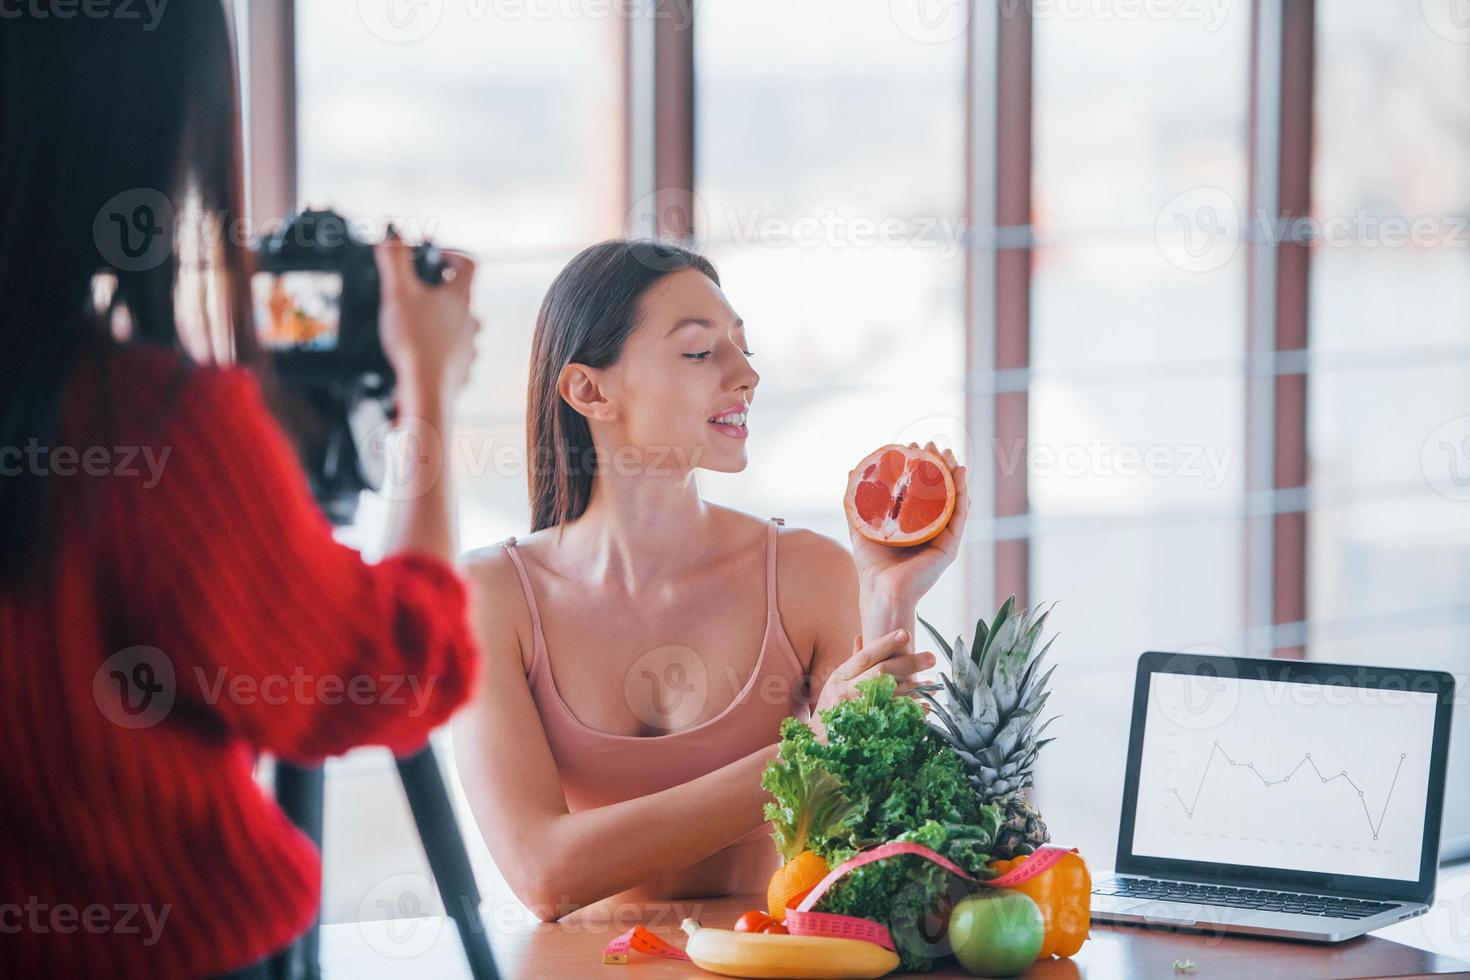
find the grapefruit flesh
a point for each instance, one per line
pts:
(900, 495)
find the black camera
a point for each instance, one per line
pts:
(316, 295)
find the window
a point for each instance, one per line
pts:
(1137, 397)
(1389, 435)
(829, 179)
(493, 132)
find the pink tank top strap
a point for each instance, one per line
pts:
(772, 530)
(509, 544)
(538, 642)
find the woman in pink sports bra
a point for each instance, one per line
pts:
(641, 645)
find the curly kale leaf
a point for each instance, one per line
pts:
(886, 756)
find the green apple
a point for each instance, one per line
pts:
(996, 932)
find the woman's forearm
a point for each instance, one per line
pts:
(420, 512)
(592, 854)
(883, 613)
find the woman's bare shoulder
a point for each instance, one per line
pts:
(498, 606)
(816, 586)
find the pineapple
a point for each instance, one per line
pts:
(989, 714)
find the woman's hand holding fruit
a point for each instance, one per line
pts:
(900, 576)
(906, 509)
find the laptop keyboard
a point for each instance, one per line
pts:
(1244, 898)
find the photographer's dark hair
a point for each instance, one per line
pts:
(137, 117)
(586, 317)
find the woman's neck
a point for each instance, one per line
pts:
(638, 527)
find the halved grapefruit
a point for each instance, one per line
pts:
(900, 496)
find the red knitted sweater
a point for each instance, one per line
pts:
(199, 611)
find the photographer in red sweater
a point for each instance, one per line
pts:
(172, 601)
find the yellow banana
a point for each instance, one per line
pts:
(762, 955)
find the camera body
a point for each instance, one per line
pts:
(317, 295)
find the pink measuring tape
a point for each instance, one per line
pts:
(644, 941)
(802, 921)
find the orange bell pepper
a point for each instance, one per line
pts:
(1063, 892)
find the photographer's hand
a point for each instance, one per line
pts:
(428, 335)
(428, 332)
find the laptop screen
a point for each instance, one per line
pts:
(1286, 771)
(1298, 776)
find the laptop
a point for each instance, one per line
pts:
(1279, 797)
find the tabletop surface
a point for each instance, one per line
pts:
(572, 947)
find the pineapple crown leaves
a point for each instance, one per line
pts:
(994, 698)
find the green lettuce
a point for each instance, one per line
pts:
(809, 803)
(882, 775)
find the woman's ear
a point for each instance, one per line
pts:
(582, 387)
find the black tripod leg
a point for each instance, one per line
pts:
(299, 795)
(428, 797)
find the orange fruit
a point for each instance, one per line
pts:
(900, 496)
(792, 881)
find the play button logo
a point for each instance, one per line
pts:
(400, 21)
(1450, 19)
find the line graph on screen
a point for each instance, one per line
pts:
(1374, 826)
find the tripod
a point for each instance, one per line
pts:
(299, 793)
(333, 466)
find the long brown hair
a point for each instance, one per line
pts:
(118, 132)
(586, 317)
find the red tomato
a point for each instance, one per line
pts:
(775, 927)
(753, 921)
